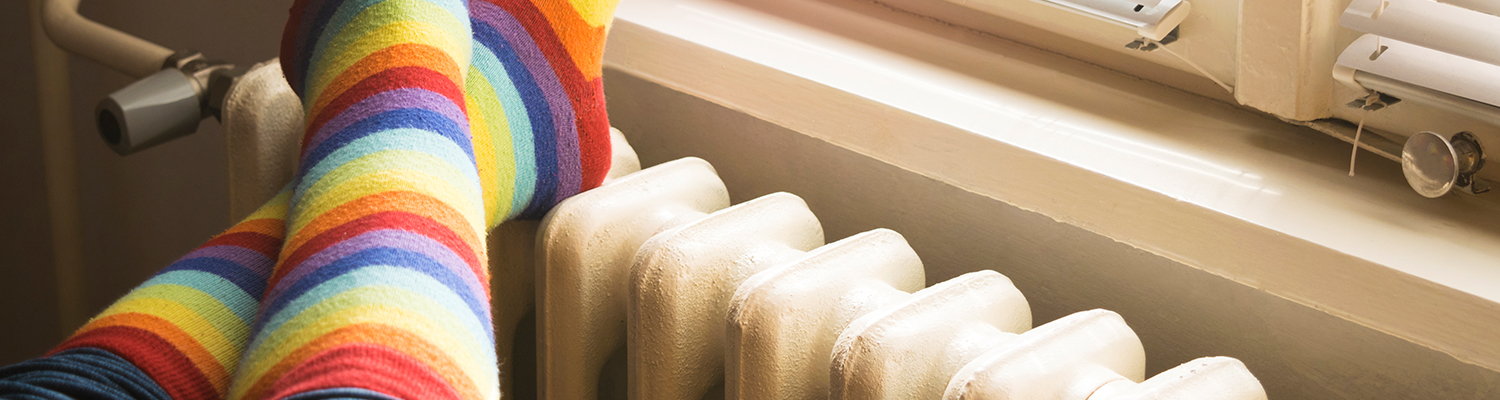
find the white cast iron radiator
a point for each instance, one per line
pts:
(654, 286)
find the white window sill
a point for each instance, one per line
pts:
(1233, 193)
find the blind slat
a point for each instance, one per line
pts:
(1443, 27)
(1154, 19)
(1490, 7)
(1122, 11)
(1421, 66)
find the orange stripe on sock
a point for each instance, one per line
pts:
(273, 227)
(393, 201)
(401, 55)
(383, 335)
(584, 42)
(396, 200)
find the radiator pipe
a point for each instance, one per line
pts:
(107, 46)
(60, 164)
(176, 90)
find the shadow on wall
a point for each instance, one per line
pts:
(140, 212)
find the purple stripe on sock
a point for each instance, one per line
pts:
(389, 238)
(570, 172)
(250, 259)
(387, 101)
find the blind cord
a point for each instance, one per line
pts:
(1190, 63)
(1371, 101)
(1357, 131)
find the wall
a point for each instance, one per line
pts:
(27, 291)
(140, 212)
(1180, 313)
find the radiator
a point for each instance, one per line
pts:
(698, 298)
(653, 286)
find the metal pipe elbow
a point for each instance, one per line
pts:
(88, 39)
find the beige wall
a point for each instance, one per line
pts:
(139, 212)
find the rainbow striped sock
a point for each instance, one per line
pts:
(539, 133)
(382, 284)
(537, 97)
(533, 91)
(381, 288)
(184, 328)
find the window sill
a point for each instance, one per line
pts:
(1239, 195)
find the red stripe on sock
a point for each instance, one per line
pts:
(394, 78)
(593, 134)
(590, 117)
(547, 41)
(289, 64)
(364, 366)
(396, 220)
(154, 355)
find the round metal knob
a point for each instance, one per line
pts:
(1435, 165)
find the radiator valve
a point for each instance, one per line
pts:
(1435, 165)
(165, 105)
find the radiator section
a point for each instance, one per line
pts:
(682, 281)
(585, 252)
(783, 322)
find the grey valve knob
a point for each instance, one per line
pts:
(1435, 165)
(155, 109)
